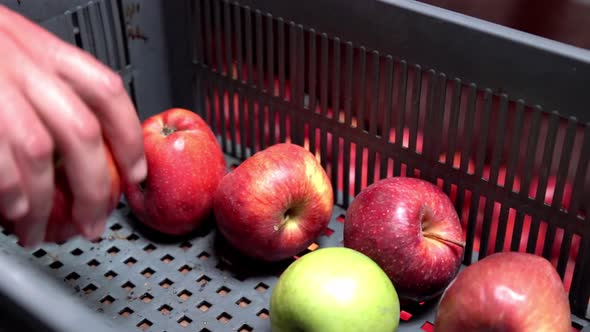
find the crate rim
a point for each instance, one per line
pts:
(567, 64)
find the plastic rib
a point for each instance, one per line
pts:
(346, 172)
(401, 112)
(262, 124)
(258, 27)
(360, 89)
(387, 106)
(543, 176)
(440, 111)
(580, 289)
(348, 77)
(118, 34)
(324, 70)
(229, 72)
(281, 57)
(282, 88)
(312, 86)
(387, 112)
(564, 162)
(271, 77)
(109, 37)
(509, 180)
(237, 18)
(250, 78)
(479, 163)
(429, 120)
(465, 156)
(375, 85)
(453, 124)
(208, 34)
(358, 168)
(249, 51)
(375, 82)
(336, 114)
(218, 41)
(312, 77)
(337, 59)
(414, 119)
(526, 178)
(239, 43)
(97, 26)
(324, 78)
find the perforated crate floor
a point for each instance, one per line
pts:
(144, 282)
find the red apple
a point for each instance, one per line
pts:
(411, 229)
(185, 165)
(510, 292)
(60, 226)
(274, 204)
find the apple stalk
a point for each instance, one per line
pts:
(444, 239)
(426, 216)
(168, 130)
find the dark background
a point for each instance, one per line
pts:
(566, 21)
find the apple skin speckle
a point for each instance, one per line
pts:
(395, 221)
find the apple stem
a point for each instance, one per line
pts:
(442, 238)
(168, 130)
(283, 223)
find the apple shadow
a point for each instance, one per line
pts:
(155, 236)
(244, 267)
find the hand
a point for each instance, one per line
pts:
(57, 98)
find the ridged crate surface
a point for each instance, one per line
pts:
(143, 281)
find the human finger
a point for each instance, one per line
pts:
(32, 147)
(14, 203)
(98, 86)
(78, 138)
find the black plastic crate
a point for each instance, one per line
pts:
(494, 116)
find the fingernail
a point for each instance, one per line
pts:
(30, 242)
(138, 171)
(31, 232)
(94, 230)
(19, 208)
(88, 220)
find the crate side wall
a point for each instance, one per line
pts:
(516, 172)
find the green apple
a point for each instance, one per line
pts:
(334, 289)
